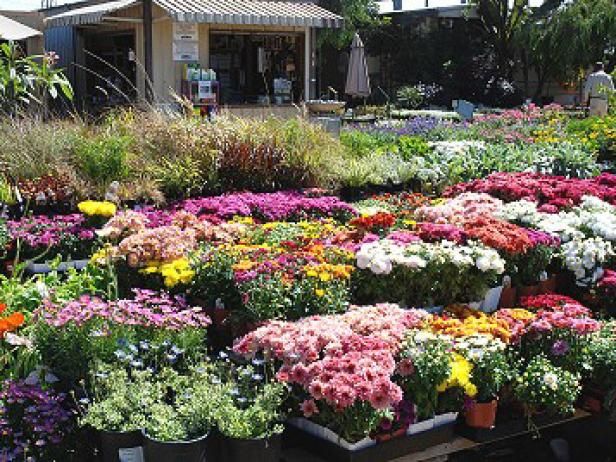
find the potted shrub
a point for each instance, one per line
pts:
(491, 371)
(180, 420)
(543, 387)
(249, 417)
(119, 410)
(424, 366)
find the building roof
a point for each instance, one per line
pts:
(13, 30)
(249, 12)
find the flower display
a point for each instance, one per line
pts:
(32, 421)
(553, 193)
(269, 206)
(67, 234)
(147, 309)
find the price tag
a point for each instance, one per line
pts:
(131, 454)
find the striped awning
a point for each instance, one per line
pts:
(93, 14)
(13, 30)
(247, 12)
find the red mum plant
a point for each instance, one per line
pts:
(498, 234)
(377, 223)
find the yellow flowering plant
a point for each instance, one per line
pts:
(430, 355)
(174, 273)
(103, 209)
(490, 367)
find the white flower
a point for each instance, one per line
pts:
(551, 380)
(381, 265)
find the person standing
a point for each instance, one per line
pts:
(596, 90)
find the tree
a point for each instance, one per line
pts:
(561, 40)
(501, 21)
(357, 14)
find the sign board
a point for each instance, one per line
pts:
(206, 91)
(186, 31)
(185, 41)
(185, 51)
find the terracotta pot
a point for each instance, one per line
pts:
(508, 297)
(548, 286)
(481, 415)
(527, 291)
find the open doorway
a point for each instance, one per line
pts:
(111, 74)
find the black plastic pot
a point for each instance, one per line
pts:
(114, 444)
(264, 450)
(175, 451)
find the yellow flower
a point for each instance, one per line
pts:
(319, 292)
(325, 277)
(94, 208)
(312, 273)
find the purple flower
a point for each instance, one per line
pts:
(560, 348)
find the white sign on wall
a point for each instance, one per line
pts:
(186, 51)
(185, 41)
(186, 31)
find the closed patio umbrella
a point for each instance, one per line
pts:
(358, 80)
(13, 30)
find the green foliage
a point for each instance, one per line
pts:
(409, 97)
(25, 80)
(542, 386)
(430, 356)
(256, 412)
(357, 14)
(104, 158)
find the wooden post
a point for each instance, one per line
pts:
(147, 38)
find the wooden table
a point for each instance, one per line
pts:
(441, 451)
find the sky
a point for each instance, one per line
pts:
(27, 4)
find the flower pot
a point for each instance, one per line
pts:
(174, 451)
(445, 419)
(548, 286)
(508, 298)
(481, 415)
(491, 300)
(326, 434)
(256, 450)
(122, 446)
(528, 291)
(420, 427)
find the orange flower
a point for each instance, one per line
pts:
(11, 323)
(2, 308)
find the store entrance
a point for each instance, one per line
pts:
(111, 74)
(258, 68)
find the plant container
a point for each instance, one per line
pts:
(527, 291)
(508, 298)
(548, 286)
(253, 450)
(377, 451)
(122, 446)
(175, 451)
(481, 415)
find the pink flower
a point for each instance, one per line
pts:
(309, 408)
(406, 367)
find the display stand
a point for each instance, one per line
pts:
(204, 95)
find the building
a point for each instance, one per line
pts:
(260, 52)
(24, 27)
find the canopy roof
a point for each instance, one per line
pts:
(13, 30)
(249, 12)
